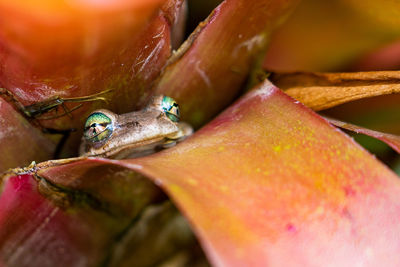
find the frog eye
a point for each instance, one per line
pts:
(170, 108)
(98, 127)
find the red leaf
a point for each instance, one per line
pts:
(392, 140)
(82, 48)
(20, 142)
(210, 68)
(269, 182)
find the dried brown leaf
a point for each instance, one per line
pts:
(320, 91)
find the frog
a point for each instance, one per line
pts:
(134, 134)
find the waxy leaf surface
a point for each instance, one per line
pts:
(20, 143)
(366, 95)
(89, 217)
(35, 232)
(50, 50)
(268, 182)
(209, 69)
(82, 48)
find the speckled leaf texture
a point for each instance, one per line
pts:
(265, 181)
(288, 188)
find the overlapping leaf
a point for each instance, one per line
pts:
(392, 140)
(381, 113)
(321, 91)
(120, 47)
(20, 142)
(86, 219)
(209, 70)
(286, 180)
(93, 48)
(288, 187)
(267, 182)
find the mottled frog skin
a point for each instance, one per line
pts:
(134, 134)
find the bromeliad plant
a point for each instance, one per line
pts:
(263, 181)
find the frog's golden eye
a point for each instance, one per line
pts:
(170, 108)
(98, 127)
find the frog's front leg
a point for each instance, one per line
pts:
(36, 110)
(185, 130)
(40, 108)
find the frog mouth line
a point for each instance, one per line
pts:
(143, 148)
